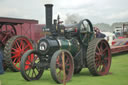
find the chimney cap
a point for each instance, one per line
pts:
(48, 4)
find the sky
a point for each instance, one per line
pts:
(98, 11)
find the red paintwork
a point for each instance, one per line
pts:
(32, 31)
(26, 27)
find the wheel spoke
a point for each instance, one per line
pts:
(14, 49)
(67, 60)
(29, 72)
(104, 65)
(100, 67)
(104, 51)
(26, 47)
(21, 43)
(15, 45)
(15, 56)
(29, 59)
(98, 54)
(18, 44)
(38, 69)
(34, 72)
(101, 46)
(13, 52)
(17, 61)
(99, 50)
(14, 60)
(96, 58)
(98, 64)
(59, 72)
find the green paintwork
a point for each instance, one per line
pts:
(69, 45)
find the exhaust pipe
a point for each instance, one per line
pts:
(48, 11)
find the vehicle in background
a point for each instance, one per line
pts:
(16, 37)
(121, 32)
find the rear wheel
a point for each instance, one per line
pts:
(98, 57)
(15, 47)
(30, 66)
(56, 66)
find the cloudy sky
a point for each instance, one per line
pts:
(107, 11)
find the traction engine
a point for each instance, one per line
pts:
(78, 45)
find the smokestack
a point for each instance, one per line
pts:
(48, 10)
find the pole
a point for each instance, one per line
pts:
(64, 75)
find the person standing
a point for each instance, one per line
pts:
(1, 64)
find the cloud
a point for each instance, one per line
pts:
(120, 15)
(97, 11)
(9, 12)
(29, 9)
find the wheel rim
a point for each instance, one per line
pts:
(102, 58)
(68, 67)
(32, 69)
(19, 47)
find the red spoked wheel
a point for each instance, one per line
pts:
(56, 66)
(99, 57)
(14, 49)
(30, 66)
(6, 32)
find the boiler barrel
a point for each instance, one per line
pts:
(51, 45)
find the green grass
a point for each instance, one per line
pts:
(119, 76)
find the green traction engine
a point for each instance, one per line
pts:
(78, 45)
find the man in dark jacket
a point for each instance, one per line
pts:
(98, 33)
(1, 64)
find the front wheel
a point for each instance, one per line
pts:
(30, 66)
(56, 66)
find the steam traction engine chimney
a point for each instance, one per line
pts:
(48, 10)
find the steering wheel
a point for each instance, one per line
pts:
(85, 28)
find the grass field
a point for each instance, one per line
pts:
(119, 76)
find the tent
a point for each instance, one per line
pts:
(1, 64)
